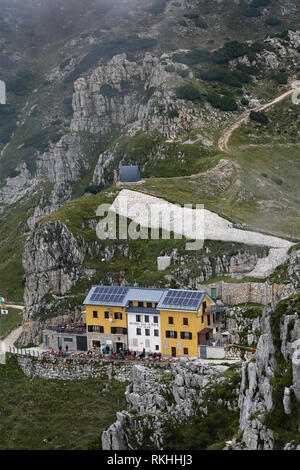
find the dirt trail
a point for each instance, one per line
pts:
(224, 140)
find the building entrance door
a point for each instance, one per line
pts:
(119, 346)
(173, 352)
(81, 343)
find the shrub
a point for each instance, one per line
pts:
(252, 13)
(278, 181)
(259, 116)
(201, 24)
(64, 64)
(21, 85)
(235, 49)
(257, 47)
(284, 35)
(41, 138)
(191, 16)
(244, 101)
(249, 70)
(170, 68)
(280, 77)
(272, 21)
(187, 92)
(224, 103)
(182, 72)
(260, 3)
(234, 78)
(68, 106)
(108, 91)
(231, 50)
(148, 94)
(8, 118)
(13, 173)
(93, 189)
(173, 113)
(192, 58)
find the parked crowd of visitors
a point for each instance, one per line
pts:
(110, 354)
(127, 353)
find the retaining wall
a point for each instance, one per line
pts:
(243, 292)
(71, 369)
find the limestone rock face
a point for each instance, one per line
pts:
(129, 94)
(159, 395)
(237, 322)
(64, 163)
(52, 261)
(296, 373)
(209, 265)
(256, 392)
(18, 187)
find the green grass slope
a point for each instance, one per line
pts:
(69, 415)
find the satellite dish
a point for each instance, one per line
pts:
(111, 320)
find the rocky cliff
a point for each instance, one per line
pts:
(269, 394)
(161, 398)
(265, 396)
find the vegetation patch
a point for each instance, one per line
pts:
(11, 321)
(41, 414)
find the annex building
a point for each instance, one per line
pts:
(171, 321)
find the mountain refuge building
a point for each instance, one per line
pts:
(169, 321)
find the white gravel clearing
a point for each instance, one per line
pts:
(198, 224)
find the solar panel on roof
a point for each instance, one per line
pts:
(108, 294)
(182, 298)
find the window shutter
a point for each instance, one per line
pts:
(166, 344)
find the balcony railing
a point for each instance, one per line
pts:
(215, 309)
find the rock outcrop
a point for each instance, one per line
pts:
(159, 397)
(277, 353)
(123, 91)
(169, 394)
(53, 262)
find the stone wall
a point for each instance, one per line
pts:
(243, 292)
(71, 369)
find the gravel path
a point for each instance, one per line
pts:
(10, 340)
(224, 140)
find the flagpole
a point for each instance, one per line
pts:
(2, 307)
(1, 323)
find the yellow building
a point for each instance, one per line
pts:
(106, 325)
(168, 321)
(184, 328)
